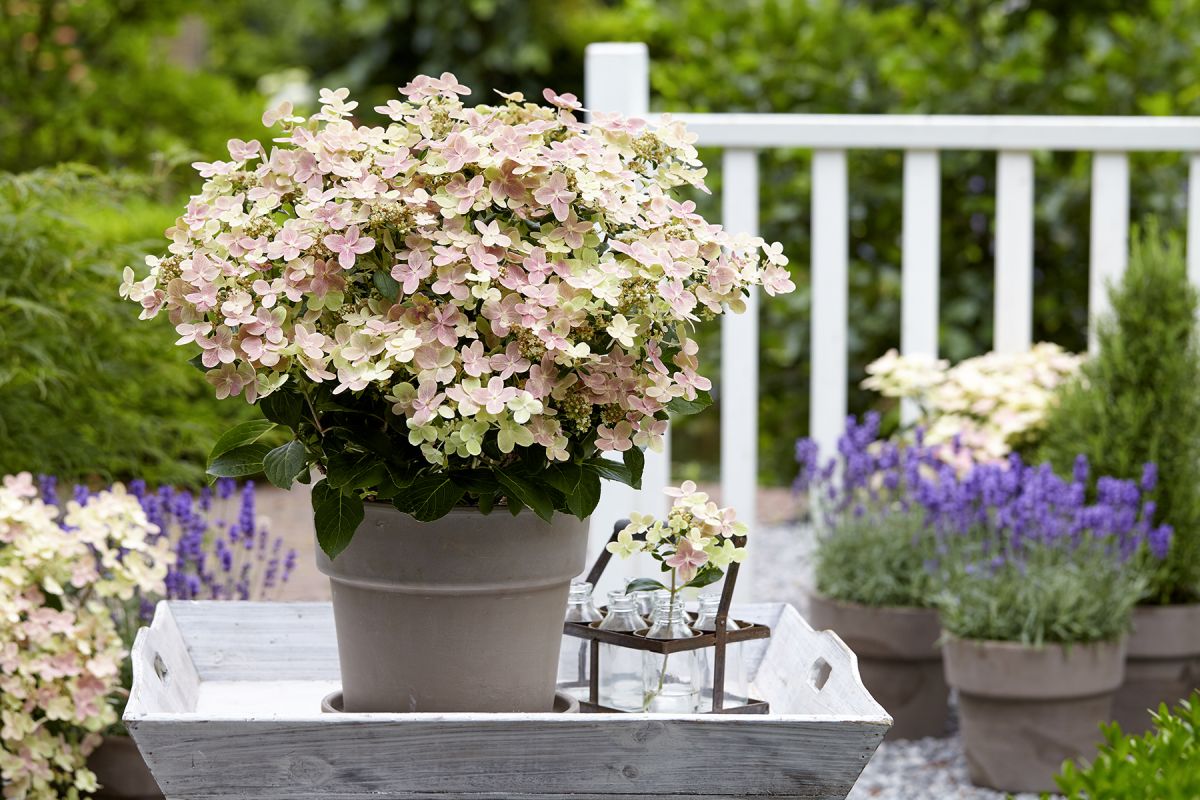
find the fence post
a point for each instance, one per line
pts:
(739, 364)
(617, 79)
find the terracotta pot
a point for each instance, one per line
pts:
(121, 771)
(1025, 710)
(461, 614)
(1162, 664)
(898, 659)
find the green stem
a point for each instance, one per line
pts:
(662, 673)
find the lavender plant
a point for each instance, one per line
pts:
(1026, 557)
(874, 545)
(1006, 551)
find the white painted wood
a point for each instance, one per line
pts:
(617, 79)
(1014, 252)
(1193, 219)
(945, 132)
(1109, 252)
(739, 363)
(830, 289)
(920, 250)
(250, 733)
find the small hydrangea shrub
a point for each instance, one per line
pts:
(68, 575)
(981, 409)
(1162, 764)
(470, 305)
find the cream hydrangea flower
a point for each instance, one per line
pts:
(60, 652)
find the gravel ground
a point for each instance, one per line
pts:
(925, 769)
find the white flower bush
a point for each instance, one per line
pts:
(61, 573)
(467, 304)
(980, 409)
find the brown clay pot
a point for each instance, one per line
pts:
(1025, 710)
(1162, 664)
(898, 659)
(121, 771)
(464, 613)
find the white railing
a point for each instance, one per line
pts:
(617, 79)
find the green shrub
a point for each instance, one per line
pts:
(1138, 401)
(85, 392)
(877, 560)
(1163, 764)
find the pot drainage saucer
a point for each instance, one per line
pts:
(563, 703)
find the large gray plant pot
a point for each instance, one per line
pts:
(898, 659)
(1162, 664)
(1025, 710)
(122, 772)
(461, 614)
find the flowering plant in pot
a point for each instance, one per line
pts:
(1037, 588)
(1136, 401)
(872, 568)
(462, 310)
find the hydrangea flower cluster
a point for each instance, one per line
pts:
(696, 543)
(61, 574)
(989, 404)
(487, 280)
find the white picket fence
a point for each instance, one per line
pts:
(617, 79)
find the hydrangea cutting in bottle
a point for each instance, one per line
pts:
(467, 305)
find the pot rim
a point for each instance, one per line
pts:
(1012, 671)
(905, 610)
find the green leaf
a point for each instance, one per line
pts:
(240, 436)
(609, 470)
(680, 406)
(387, 285)
(643, 585)
(708, 574)
(635, 462)
(238, 462)
(285, 463)
(429, 498)
(284, 407)
(355, 471)
(528, 493)
(579, 486)
(487, 501)
(337, 517)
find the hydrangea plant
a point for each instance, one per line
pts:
(63, 572)
(986, 407)
(470, 305)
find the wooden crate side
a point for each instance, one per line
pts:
(812, 672)
(582, 757)
(164, 677)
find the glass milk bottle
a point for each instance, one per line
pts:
(574, 664)
(671, 683)
(621, 667)
(736, 682)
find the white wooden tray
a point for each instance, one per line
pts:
(226, 704)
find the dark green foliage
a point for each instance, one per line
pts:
(1163, 764)
(85, 391)
(365, 453)
(1138, 400)
(877, 561)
